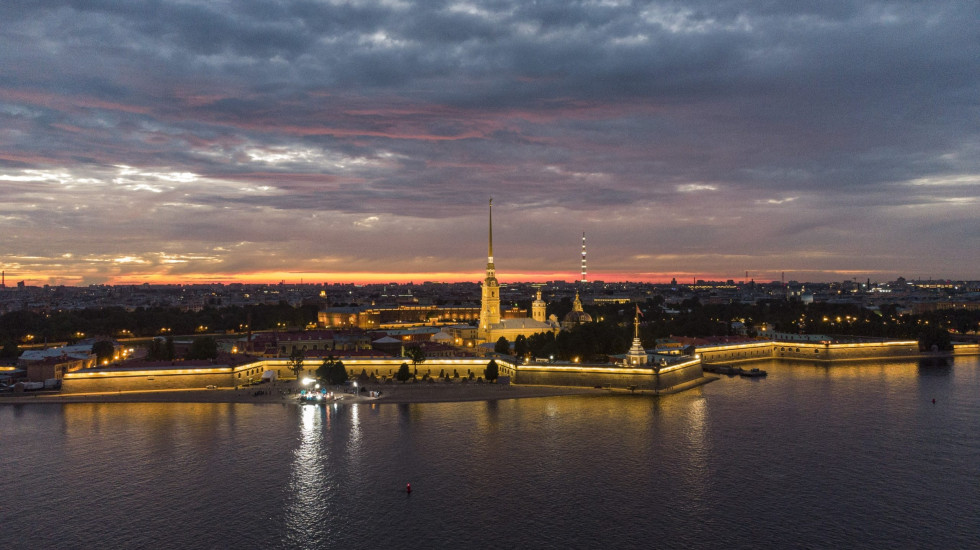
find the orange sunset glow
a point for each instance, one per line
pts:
(271, 142)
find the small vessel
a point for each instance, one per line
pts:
(727, 369)
(753, 373)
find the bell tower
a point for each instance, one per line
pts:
(539, 309)
(490, 301)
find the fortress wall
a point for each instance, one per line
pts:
(807, 351)
(736, 353)
(844, 352)
(146, 381)
(389, 366)
(641, 378)
(966, 349)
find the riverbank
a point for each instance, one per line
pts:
(280, 393)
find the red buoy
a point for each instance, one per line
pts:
(408, 487)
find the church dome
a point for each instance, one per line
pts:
(577, 316)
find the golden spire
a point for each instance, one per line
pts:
(490, 250)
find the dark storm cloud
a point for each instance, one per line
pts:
(667, 124)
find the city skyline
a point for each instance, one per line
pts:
(177, 142)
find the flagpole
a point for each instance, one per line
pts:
(636, 323)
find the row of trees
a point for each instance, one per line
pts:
(162, 349)
(491, 372)
(612, 331)
(152, 321)
(333, 371)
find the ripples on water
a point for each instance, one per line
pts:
(813, 456)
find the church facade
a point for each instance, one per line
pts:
(492, 326)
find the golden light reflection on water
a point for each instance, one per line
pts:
(355, 438)
(696, 472)
(166, 424)
(307, 477)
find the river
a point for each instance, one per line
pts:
(842, 456)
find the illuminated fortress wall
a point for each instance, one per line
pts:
(614, 377)
(808, 351)
(84, 382)
(966, 349)
(844, 352)
(178, 377)
(175, 377)
(735, 353)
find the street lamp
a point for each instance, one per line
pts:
(355, 388)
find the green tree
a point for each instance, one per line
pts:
(502, 346)
(296, 361)
(154, 352)
(103, 350)
(403, 373)
(10, 350)
(161, 350)
(169, 351)
(521, 349)
(203, 348)
(417, 356)
(323, 371)
(935, 338)
(337, 374)
(492, 371)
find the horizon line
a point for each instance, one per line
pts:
(363, 278)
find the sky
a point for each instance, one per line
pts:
(356, 141)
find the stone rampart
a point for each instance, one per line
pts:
(807, 351)
(83, 382)
(966, 349)
(844, 352)
(175, 377)
(613, 377)
(734, 353)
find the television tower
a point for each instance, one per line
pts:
(584, 279)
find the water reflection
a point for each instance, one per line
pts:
(846, 456)
(308, 481)
(490, 422)
(936, 366)
(354, 437)
(695, 471)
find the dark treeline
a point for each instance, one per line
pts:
(116, 322)
(612, 328)
(610, 332)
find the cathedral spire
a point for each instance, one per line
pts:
(490, 249)
(490, 302)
